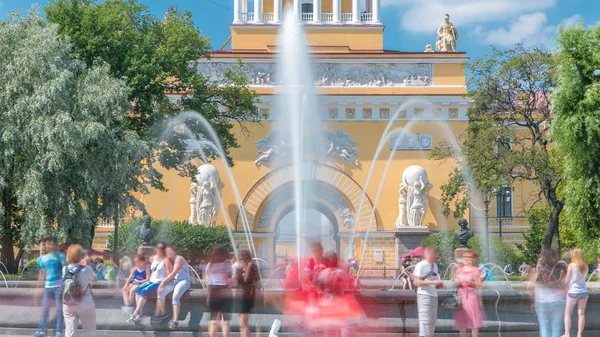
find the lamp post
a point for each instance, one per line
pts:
(486, 234)
(502, 196)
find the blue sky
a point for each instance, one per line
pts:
(410, 24)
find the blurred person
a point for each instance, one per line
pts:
(508, 270)
(577, 293)
(337, 309)
(219, 295)
(50, 268)
(246, 277)
(139, 274)
(428, 281)
(100, 268)
(78, 303)
(469, 316)
(486, 273)
(160, 268)
(407, 274)
(596, 271)
(549, 293)
(178, 281)
(524, 269)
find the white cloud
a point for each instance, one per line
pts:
(572, 21)
(424, 16)
(528, 29)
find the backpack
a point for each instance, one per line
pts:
(72, 292)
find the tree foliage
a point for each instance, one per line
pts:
(189, 241)
(577, 124)
(501, 253)
(507, 138)
(66, 154)
(158, 56)
(534, 237)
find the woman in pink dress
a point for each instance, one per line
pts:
(470, 314)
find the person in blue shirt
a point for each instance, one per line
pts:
(486, 273)
(50, 271)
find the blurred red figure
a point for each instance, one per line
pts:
(324, 302)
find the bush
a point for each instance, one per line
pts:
(190, 241)
(501, 253)
(32, 264)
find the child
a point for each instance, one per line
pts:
(139, 274)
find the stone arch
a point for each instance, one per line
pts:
(342, 191)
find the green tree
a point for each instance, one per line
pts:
(189, 241)
(534, 237)
(577, 124)
(507, 138)
(157, 56)
(66, 155)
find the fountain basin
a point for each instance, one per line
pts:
(386, 312)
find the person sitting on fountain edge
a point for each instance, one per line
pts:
(50, 270)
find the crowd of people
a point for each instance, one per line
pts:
(556, 288)
(319, 289)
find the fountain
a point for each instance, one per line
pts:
(299, 122)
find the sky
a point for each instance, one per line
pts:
(411, 24)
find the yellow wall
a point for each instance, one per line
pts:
(350, 37)
(174, 205)
(449, 74)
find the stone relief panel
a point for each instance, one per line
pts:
(332, 74)
(410, 141)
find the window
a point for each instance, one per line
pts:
(307, 8)
(504, 202)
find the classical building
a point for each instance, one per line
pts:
(363, 90)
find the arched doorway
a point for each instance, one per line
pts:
(333, 201)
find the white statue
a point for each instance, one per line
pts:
(428, 48)
(193, 211)
(206, 196)
(447, 35)
(402, 216)
(414, 197)
(265, 156)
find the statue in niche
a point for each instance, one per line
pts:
(146, 232)
(341, 145)
(463, 234)
(447, 35)
(206, 196)
(413, 202)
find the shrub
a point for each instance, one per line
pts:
(189, 240)
(501, 253)
(32, 264)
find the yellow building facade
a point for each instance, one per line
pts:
(363, 91)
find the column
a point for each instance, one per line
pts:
(316, 11)
(337, 10)
(257, 11)
(355, 18)
(277, 11)
(236, 11)
(375, 6)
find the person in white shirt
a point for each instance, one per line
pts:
(427, 279)
(85, 309)
(578, 293)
